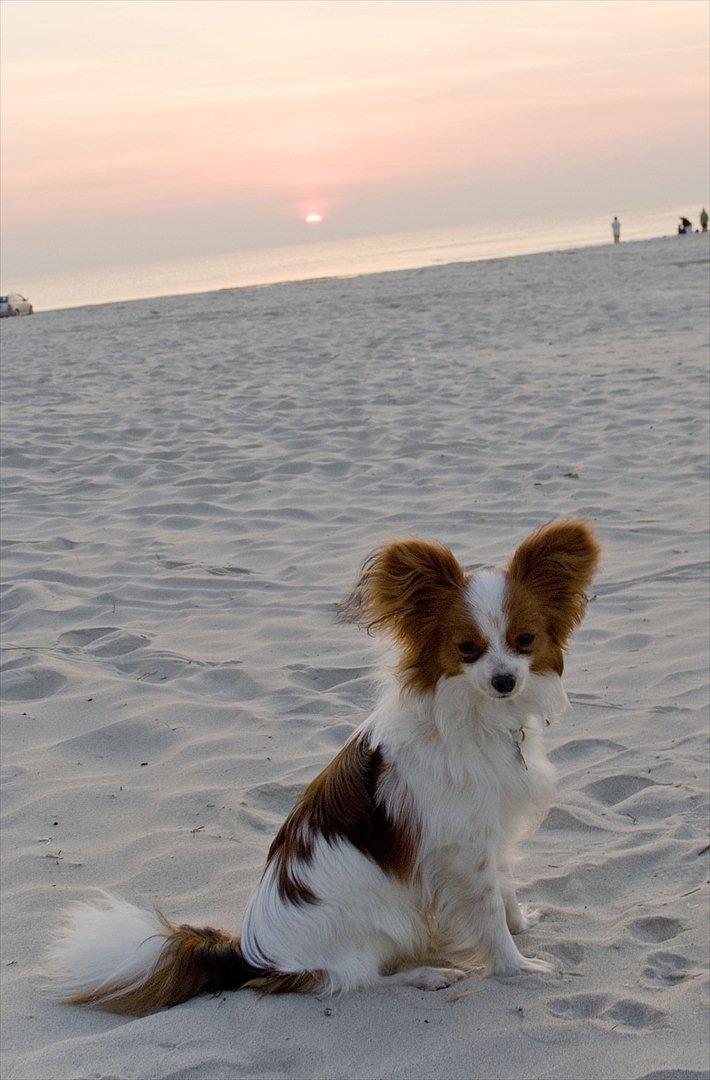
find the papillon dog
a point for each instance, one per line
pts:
(395, 867)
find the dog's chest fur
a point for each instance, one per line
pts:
(470, 783)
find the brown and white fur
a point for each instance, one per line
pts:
(396, 863)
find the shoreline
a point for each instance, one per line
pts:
(559, 248)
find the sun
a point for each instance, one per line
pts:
(313, 219)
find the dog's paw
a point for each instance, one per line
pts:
(507, 968)
(540, 967)
(433, 978)
(523, 918)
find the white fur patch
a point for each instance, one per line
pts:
(486, 597)
(102, 942)
(361, 920)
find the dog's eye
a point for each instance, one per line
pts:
(524, 642)
(469, 651)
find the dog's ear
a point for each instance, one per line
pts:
(556, 564)
(405, 588)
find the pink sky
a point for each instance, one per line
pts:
(139, 130)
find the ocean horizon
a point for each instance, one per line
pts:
(349, 257)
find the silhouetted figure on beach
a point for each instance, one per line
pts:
(685, 227)
(704, 219)
(616, 229)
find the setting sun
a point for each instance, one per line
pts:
(313, 219)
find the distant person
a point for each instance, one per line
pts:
(685, 227)
(704, 219)
(616, 229)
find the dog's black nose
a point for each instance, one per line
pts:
(504, 684)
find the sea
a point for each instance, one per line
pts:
(319, 257)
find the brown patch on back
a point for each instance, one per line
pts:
(415, 590)
(550, 572)
(344, 802)
(192, 961)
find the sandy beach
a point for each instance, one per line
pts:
(190, 486)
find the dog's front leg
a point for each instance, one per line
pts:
(478, 900)
(519, 917)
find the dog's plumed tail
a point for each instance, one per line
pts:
(112, 955)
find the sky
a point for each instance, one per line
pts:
(138, 130)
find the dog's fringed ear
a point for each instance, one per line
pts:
(406, 585)
(556, 564)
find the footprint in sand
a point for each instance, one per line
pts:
(583, 749)
(633, 642)
(626, 1014)
(129, 741)
(31, 684)
(27, 596)
(635, 1017)
(112, 640)
(569, 952)
(572, 821)
(227, 682)
(669, 967)
(655, 928)
(278, 799)
(579, 1006)
(119, 643)
(611, 790)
